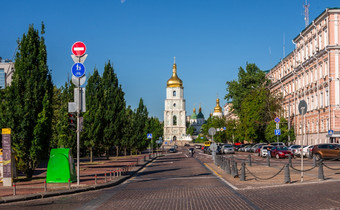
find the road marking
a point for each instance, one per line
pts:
(212, 170)
(220, 177)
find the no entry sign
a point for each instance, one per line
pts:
(78, 48)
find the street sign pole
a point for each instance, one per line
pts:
(78, 134)
(302, 140)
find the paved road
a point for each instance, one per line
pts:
(177, 181)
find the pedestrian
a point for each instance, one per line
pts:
(268, 151)
(191, 150)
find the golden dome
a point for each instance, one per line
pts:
(174, 81)
(217, 108)
(194, 110)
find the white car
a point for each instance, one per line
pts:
(228, 149)
(264, 150)
(307, 151)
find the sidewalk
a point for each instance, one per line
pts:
(259, 175)
(98, 174)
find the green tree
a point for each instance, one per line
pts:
(92, 134)
(141, 116)
(114, 109)
(156, 128)
(128, 130)
(257, 109)
(30, 100)
(250, 78)
(270, 134)
(217, 123)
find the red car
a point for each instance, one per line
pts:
(281, 152)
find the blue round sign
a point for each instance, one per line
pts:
(78, 69)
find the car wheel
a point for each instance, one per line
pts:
(277, 156)
(318, 157)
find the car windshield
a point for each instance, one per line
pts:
(282, 148)
(227, 146)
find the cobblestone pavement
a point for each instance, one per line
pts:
(177, 181)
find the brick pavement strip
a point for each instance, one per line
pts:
(34, 189)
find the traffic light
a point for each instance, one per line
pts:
(72, 121)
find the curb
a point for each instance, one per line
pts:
(17, 198)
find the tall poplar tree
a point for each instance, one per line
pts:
(114, 108)
(141, 117)
(30, 101)
(93, 118)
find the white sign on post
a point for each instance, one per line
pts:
(76, 98)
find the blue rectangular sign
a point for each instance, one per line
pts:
(277, 132)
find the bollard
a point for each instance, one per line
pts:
(290, 161)
(249, 160)
(144, 158)
(110, 175)
(287, 174)
(14, 189)
(45, 186)
(105, 178)
(320, 171)
(268, 161)
(69, 184)
(95, 179)
(120, 172)
(235, 174)
(243, 172)
(228, 166)
(314, 160)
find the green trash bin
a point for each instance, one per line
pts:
(60, 166)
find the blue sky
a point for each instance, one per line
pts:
(211, 39)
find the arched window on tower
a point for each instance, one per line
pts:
(174, 120)
(174, 93)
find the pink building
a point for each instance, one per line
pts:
(311, 73)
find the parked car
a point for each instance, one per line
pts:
(237, 147)
(228, 149)
(172, 150)
(197, 146)
(256, 146)
(307, 151)
(281, 152)
(326, 151)
(205, 149)
(264, 150)
(247, 148)
(295, 149)
(258, 149)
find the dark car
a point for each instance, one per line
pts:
(172, 150)
(281, 152)
(323, 151)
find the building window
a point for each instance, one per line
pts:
(174, 104)
(321, 99)
(174, 120)
(2, 79)
(174, 93)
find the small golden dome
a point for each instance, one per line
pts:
(194, 110)
(174, 81)
(217, 108)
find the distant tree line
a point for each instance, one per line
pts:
(37, 111)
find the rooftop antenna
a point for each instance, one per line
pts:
(306, 6)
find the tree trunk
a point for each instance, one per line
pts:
(107, 153)
(125, 151)
(91, 154)
(117, 151)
